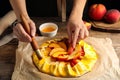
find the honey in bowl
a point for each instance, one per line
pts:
(49, 28)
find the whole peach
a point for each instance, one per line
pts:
(97, 11)
(112, 16)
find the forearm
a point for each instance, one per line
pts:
(19, 7)
(78, 8)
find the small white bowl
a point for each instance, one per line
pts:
(48, 29)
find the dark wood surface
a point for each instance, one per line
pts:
(7, 51)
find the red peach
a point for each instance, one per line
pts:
(112, 16)
(97, 11)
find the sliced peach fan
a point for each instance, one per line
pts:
(58, 62)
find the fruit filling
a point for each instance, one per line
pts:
(61, 60)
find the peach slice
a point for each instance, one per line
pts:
(54, 69)
(46, 51)
(88, 63)
(77, 53)
(63, 45)
(62, 69)
(73, 62)
(57, 54)
(41, 62)
(78, 66)
(74, 55)
(78, 47)
(54, 45)
(81, 68)
(76, 70)
(46, 66)
(56, 50)
(81, 43)
(44, 45)
(35, 59)
(62, 57)
(90, 52)
(70, 70)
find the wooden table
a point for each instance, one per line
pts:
(7, 51)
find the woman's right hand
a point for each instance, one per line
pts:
(21, 34)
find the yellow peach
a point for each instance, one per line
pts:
(54, 45)
(41, 62)
(46, 65)
(70, 70)
(56, 54)
(81, 68)
(62, 68)
(35, 59)
(56, 50)
(54, 69)
(44, 45)
(63, 45)
(74, 55)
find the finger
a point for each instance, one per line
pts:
(22, 34)
(16, 32)
(17, 35)
(86, 32)
(79, 38)
(81, 33)
(69, 34)
(75, 37)
(32, 28)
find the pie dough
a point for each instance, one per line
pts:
(57, 62)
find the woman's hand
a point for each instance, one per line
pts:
(76, 31)
(21, 34)
(75, 27)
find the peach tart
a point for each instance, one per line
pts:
(61, 60)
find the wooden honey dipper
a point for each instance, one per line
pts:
(34, 43)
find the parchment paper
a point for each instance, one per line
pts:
(106, 68)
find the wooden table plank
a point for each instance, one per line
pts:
(7, 59)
